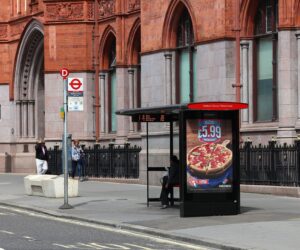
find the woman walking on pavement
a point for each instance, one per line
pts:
(41, 157)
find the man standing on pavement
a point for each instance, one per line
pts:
(41, 157)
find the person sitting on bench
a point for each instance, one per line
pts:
(168, 181)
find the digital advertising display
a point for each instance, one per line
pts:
(209, 156)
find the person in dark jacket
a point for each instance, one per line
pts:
(169, 181)
(77, 160)
(41, 157)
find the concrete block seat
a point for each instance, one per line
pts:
(49, 186)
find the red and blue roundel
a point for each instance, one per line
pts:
(209, 130)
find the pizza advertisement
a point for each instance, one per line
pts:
(209, 155)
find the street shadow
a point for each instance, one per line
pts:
(85, 203)
(248, 209)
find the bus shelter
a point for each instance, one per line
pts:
(169, 114)
(208, 152)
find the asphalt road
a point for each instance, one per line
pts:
(20, 229)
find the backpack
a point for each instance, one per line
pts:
(75, 154)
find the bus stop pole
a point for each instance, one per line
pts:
(65, 151)
(171, 139)
(147, 162)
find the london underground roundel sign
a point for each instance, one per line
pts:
(75, 84)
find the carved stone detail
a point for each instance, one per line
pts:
(3, 31)
(64, 11)
(106, 8)
(90, 11)
(134, 5)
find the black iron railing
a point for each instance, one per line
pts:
(272, 164)
(121, 161)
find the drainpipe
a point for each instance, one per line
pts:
(237, 85)
(96, 65)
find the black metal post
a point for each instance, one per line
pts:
(272, 161)
(126, 148)
(297, 142)
(147, 162)
(111, 158)
(96, 160)
(248, 159)
(171, 139)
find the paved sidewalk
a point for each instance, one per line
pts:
(266, 222)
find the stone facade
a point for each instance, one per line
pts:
(137, 39)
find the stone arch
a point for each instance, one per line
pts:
(296, 14)
(134, 43)
(29, 82)
(109, 35)
(171, 22)
(247, 15)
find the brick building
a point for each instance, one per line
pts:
(143, 53)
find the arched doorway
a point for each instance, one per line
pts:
(29, 84)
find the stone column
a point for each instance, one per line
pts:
(102, 103)
(245, 79)
(106, 100)
(25, 118)
(287, 84)
(132, 97)
(168, 84)
(18, 6)
(298, 72)
(31, 120)
(18, 119)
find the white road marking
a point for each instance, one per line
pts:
(93, 246)
(29, 238)
(108, 229)
(8, 213)
(141, 247)
(5, 183)
(97, 245)
(64, 246)
(119, 246)
(6, 232)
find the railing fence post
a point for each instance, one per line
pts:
(96, 162)
(111, 159)
(248, 160)
(55, 153)
(297, 142)
(127, 152)
(272, 161)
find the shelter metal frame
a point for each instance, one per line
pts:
(167, 113)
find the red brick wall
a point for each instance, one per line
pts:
(68, 39)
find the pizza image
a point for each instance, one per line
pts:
(209, 159)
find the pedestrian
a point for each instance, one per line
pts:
(77, 160)
(41, 157)
(169, 180)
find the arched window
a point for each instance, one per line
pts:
(265, 61)
(186, 60)
(112, 85)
